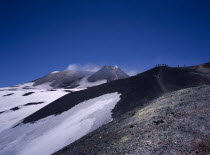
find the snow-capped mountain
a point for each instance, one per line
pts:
(122, 104)
(77, 78)
(20, 101)
(63, 79)
(108, 73)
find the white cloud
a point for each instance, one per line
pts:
(130, 72)
(88, 67)
(94, 68)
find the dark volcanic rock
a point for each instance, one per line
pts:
(176, 123)
(15, 108)
(33, 103)
(27, 94)
(9, 94)
(108, 73)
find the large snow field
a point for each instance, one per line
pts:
(13, 104)
(52, 133)
(13, 108)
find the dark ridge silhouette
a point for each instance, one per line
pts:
(205, 65)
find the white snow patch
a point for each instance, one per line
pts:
(17, 99)
(50, 134)
(55, 72)
(84, 83)
(41, 94)
(44, 86)
(29, 84)
(10, 117)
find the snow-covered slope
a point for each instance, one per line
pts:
(56, 131)
(19, 102)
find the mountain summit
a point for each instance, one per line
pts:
(75, 78)
(108, 73)
(63, 79)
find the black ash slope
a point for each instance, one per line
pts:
(175, 123)
(136, 91)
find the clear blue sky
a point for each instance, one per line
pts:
(40, 36)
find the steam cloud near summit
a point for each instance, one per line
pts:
(87, 67)
(130, 72)
(94, 68)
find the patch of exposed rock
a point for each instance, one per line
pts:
(176, 123)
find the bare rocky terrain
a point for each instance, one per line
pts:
(176, 123)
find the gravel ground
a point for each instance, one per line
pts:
(176, 123)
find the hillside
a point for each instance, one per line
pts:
(175, 123)
(79, 113)
(136, 91)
